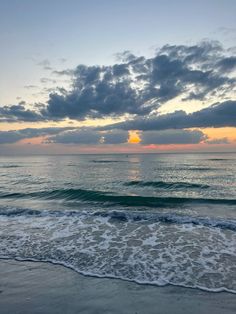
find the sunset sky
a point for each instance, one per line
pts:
(117, 76)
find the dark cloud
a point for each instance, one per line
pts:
(82, 136)
(227, 64)
(33, 132)
(98, 92)
(19, 113)
(125, 56)
(172, 137)
(9, 137)
(218, 115)
(115, 137)
(203, 55)
(137, 86)
(90, 136)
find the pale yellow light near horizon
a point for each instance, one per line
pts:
(134, 136)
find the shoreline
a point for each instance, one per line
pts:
(84, 274)
(43, 287)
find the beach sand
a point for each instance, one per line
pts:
(34, 287)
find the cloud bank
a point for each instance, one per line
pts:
(136, 86)
(134, 89)
(217, 115)
(91, 136)
(172, 137)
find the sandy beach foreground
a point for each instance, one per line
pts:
(33, 288)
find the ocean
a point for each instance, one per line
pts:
(150, 218)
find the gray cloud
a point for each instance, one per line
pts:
(68, 72)
(223, 140)
(116, 137)
(30, 86)
(66, 135)
(45, 64)
(172, 137)
(82, 136)
(46, 80)
(227, 64)
(137, 85)
(9, 137)
(218, 115)
(90, 136)
(19, 113)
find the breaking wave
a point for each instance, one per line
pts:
(102, 197)
(124, 216)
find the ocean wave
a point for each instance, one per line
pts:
(107, 198)
(148, 253)
(124, 216)
(107, 161)
(167, 185)
(10, 166)
(168, 218)
(200, 169)
(220, 159)
(6, 211)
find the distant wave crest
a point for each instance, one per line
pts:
(167, 185)
(102, 197)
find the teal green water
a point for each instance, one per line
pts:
(159, 219)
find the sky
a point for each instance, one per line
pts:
(117, 76)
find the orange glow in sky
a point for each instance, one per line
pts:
(134, 137)
(216, 133)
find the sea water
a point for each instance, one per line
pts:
(155, 218)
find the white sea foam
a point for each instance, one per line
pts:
(153, 252)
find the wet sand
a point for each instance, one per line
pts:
(41, 288)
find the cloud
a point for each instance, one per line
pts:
(89, 136)
(45, 64)
(45, 80)
(82, 136)
(9, 137)
(68, 72)
(172, 137)
(138, 86)
(223, 140)
(217, 115)
(125, 56)
(66, 135)
(30, 86)
(99, 92)
(19, 113)
(115, 137)
(227, 64)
